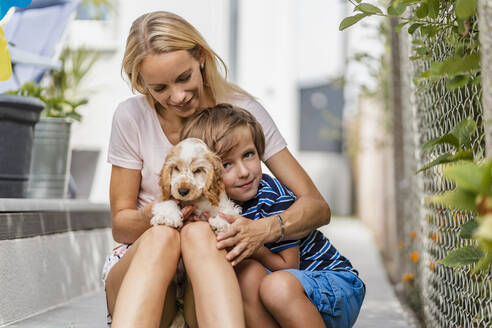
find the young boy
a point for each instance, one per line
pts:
(321, 288)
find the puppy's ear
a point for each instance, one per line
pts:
(214, 185)
(165, 179)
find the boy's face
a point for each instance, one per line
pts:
(242, 167)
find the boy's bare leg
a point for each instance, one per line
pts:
(136, 286)
(215, 287)
(284, 297)
(250, 273)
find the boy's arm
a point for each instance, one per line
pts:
(284, 259)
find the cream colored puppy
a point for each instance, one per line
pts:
(192, 174)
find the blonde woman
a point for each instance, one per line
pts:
(176, 73)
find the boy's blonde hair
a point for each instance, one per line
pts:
(215, 124)
(162, 32)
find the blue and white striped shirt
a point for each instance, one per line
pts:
(316, 251)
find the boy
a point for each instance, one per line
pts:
(322, 288)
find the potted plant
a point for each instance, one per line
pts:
(17, 118)
(49, 172)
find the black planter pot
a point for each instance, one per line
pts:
(18, 115)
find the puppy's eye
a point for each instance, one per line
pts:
(198, 170)
(176, 169)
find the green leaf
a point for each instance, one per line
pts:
(368, 9)
(486, 184)
(422, 10)
(456, 65)
(462, 256)
(445, 139)
(468, 228)
(399, 27)
(484, 231)
(457, 82)
(413, 28)
(349, 21)
(433, 8)
(448, 158)
(465, 8)
(422, 51)
(429, 30)
(477, 80)
(425, 75)
(397, 8)
(466, 175)
(484, 263)
(463, 131)
(457, 199)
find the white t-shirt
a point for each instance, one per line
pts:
(138, 142)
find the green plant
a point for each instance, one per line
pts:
(473, 193)
(454, 18)
(61, 95)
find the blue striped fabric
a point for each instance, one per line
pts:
(316, 251)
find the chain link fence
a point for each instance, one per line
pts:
(448, 297)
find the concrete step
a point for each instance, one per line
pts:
(87, 311)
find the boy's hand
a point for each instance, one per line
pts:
(243, 238)
(188, 216)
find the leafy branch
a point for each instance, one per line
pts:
(473, 193)
(427, 18)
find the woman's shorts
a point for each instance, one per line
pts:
(337, 295)
(113, 258)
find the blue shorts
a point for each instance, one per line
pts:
(337, 295)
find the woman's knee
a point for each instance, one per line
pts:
(278, 288)
(197, 235)
(160, 240)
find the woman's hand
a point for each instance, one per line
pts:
(243, 238)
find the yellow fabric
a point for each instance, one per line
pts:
(5, 64)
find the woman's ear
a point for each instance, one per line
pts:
(214, 185)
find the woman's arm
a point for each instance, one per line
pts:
(308, 212)
(127, 222)
(285, 259)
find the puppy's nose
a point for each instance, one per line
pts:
(183, 192)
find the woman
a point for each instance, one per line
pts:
(171, 65)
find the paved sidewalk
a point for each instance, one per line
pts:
(355, 241)
(380, 309)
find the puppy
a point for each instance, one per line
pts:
(192, 174)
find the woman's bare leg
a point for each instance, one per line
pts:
(170, 309)
(215, 287)
(284, 297)
(136, 286)
(189, 306)
(250, 273)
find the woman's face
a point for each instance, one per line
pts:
(174, 79)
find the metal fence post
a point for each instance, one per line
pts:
(485, 26)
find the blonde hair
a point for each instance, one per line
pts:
(215, 124)
(161, 32)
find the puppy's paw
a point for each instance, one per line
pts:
(167, 213)
(218, 224)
